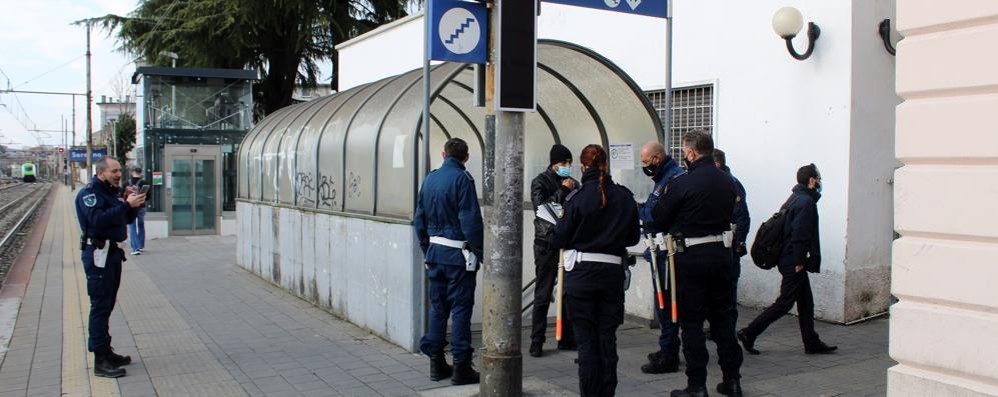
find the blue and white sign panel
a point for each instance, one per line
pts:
(651, 8)
(80, 155)
(458, 31)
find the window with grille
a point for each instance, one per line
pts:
(692, 108)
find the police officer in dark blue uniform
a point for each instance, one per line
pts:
(662, 169)
(103, 215)
(600, 222)
(448, 222)
(696, 209)
(740, 217)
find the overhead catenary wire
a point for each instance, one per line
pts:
(26, 82)
(6, 77)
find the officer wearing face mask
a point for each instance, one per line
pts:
(801, 255)
(549, 187)
(662, 169)
(697, 209)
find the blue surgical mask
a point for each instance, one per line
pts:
(818, 188)
(564, 172)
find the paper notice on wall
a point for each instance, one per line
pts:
(398, 154)
(157, 178)
(621, 156)
(169, 180)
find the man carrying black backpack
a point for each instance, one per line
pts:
(800, 254)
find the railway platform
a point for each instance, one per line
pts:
(196, 324)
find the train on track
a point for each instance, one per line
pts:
(28, 172)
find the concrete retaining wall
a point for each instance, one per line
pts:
(367, 271)
(362, 270)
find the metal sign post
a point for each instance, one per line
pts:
(667, 106)
(514, 56)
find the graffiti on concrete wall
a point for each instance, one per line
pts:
(354, 185)
(326, 192)
(304, 188)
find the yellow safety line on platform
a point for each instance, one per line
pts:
(75, 380)
(77, 363)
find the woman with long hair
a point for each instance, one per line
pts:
(600, 222)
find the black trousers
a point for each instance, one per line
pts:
(102, 287)
(546, 272)
(705, 287)
(795, 288)
(594, 294)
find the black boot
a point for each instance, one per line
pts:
(654, 356)
(691, 391)
(439, 369)
(730, 387)
(104, 369)
(536, 349)
(662, 364)
(464, 374)
(819, 348)
(748, 342)
(118, 360)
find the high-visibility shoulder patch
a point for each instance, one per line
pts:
(90, 200)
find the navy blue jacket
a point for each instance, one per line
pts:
(698, 203)
(102, 213)
(448, 207)
(668, 170)
(740, 217)
(800, 232)
(587, 227)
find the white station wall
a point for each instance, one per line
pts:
(772, 113)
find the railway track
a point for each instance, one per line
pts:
(11, 186)
(18, 209)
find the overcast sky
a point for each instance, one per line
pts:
(41, 51)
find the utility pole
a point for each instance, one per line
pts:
(114, 138)
(72, 165)
(502, 362)
(63, 160)
(89, 121)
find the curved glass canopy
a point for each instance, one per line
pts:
(356, 151)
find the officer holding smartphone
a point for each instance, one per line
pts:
(103, 214)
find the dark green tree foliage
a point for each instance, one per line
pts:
(283, 39)
(124, 135)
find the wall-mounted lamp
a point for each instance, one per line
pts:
(787, 22)
(885, 33)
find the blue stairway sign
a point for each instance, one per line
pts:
(651, 8)
(458, 31)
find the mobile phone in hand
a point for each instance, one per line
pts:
(144, 189)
